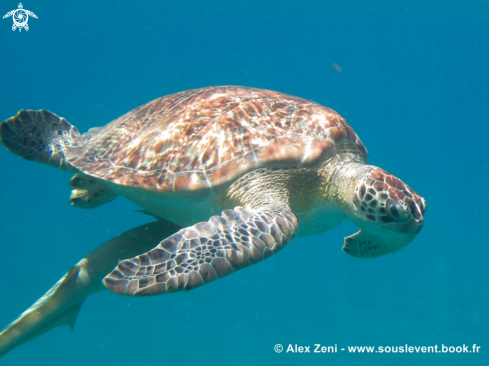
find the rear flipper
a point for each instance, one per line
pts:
(39, 136)
(89, 192)
(61, 304)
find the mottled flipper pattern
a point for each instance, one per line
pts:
(205, 252)
(367, 245)
(39, 136)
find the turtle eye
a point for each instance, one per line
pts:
(397, 210)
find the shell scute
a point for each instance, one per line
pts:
(206, 137)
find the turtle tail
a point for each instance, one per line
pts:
(39, 136)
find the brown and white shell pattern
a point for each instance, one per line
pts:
(210, 136)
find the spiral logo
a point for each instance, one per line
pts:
(278, 348)
(20, 18)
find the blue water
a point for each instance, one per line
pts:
(414, 86)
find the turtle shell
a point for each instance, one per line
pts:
(210, 136)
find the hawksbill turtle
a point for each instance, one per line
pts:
(242, 170)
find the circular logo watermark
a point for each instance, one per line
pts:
(20, 17)
(278, 348)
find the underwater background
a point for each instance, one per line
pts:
(411, 77)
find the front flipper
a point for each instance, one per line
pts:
(39, 136)
(367, 245)
(205, 252)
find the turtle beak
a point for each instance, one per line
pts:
(417, 210)
(417, 207)
(412, 227)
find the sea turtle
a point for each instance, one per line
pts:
(259, 165)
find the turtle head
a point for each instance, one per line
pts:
(384, 200)
(388, 212)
